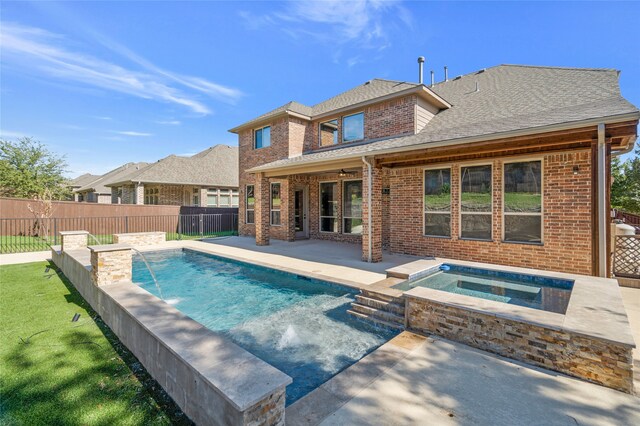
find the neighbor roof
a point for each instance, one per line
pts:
(82, 180)
(215, 166)
(508, 99)
(99, 185)
(369, 91)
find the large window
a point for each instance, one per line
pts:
(222, 197)
(437, 202)
(523, 202)
(475, 202)
(352, 207)
(329, 207)
(329, 133)
(262, 137)
(151, 195)
(353, 127)
(275, 204)
(250, 205)
(212, 197)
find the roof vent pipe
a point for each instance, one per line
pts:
(433, 78)
(446, 74)
(420, 66)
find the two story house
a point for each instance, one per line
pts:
(506, 165)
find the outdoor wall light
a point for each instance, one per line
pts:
(342, 173)
(576, 170)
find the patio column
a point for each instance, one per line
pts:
(371, 244)
(288, 209)
(262, 209)
(139, 194)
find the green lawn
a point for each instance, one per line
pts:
(55, 371)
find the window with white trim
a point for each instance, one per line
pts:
(352, 207)
(262, 137)
(475, 202)
(437, 202)
(275, 204)
(522, 201)
(212, 197)
(353, 127)
(328, 207)
(250, 204)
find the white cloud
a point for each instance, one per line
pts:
(12, 134)
(361, 22)
(170, 122)
(97, 117)
(132, 133)
(37, 49)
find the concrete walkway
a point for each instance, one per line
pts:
(15, 258)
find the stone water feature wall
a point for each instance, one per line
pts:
(138, 239)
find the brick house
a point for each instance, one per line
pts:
(97, 191)
(206, 179)
(78, 183)
(506, 165)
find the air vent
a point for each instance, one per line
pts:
(457, 78)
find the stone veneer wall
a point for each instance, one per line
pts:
(140, 238)
(587, 358)
(111, 266)
(567, 224)
(72, 241)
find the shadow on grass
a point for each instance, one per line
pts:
(69, 375)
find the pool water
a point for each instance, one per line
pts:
(531, 291)
(296, 324)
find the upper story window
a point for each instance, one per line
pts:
(329, 133)
(353, 127)
(262, 137)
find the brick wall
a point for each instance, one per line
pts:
(566, 218)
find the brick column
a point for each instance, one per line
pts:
(139, 194)
(74, 240)
(288, 209)
(110, 263)
(376, 210)
(262, 209)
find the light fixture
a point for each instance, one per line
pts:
(342, 173)
(576, 169)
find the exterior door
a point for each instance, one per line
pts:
(300, 213)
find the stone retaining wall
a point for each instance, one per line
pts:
(138, 239)
(590, 359)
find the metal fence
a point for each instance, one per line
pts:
(626, 257)
(30, 234)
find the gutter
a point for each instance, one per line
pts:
(632, 145)
(369, 209)
(471, 139)
(602, 213)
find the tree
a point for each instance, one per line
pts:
(29, 170)
(625, 189)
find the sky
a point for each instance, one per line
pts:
(106, 83)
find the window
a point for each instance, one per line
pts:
(275, 204)
(250, 205)
(437, 203)
(212, 197)
(523, 202)
(235, 198)
(224, 199)
(151, 196)
(329, 133)
(352, 207)
(195, 197)
(262, 137)
(475, 202)
(329, 207)
(353, 127)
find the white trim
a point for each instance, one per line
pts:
(602, 213)
(524, 159)
(460, 212)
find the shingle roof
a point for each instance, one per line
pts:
(83, 180)
(215, 166)
(509, 98)
(99, 185)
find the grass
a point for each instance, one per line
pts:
(55, 371)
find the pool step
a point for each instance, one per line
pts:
(376, 321)
(378, 314)
(396, 307)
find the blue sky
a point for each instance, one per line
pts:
(111, 82)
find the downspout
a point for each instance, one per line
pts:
(602, 214)
(369, 209)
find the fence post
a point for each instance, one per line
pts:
(126, 224)
(200, 225)
(179, 226)
(55, 231)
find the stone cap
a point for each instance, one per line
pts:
(74, 232)
(109, 247)
(142, 233)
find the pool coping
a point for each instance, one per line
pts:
(595, 307)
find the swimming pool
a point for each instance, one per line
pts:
(532, 291)
(298, 325)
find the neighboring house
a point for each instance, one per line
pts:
(506, 165)
(206, 179)
(79, 182)
(96, 191)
